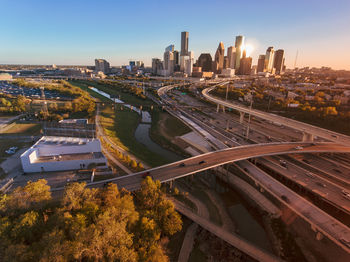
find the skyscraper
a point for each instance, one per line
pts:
(184, 43)
(170, 48)
(231, 57)
(168, 63)
(269, 59)
(219, 58)
(157, 66)
(205, 61)
(279, 61)
(102, 65)
(176, 61)
(245, 64)
(239, 44)
(261, 63)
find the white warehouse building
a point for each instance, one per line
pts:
(55, 153)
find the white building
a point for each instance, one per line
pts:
(54, 153)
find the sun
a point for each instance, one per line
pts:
(248, 49)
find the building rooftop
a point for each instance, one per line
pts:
(62, 141)
(69, 157)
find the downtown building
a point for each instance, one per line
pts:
(102, 65)
(239, 45)
(219, 58)
(269, 60)
(278, 63)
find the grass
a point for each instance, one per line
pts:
(197, 255)
(214, 215)
(84, 86)
(175, 241)
(120, 126)
(165, 128)
(114, 90)
(22, 129)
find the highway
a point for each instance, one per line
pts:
(303, 127)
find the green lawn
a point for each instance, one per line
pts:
(84, 86)
(22, 129)
(120, 126)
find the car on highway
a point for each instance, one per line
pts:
(347, 196)
(283, 163)
(182, 165)
(201, 162)
(298, 148)
(285, 198)
(321, 184)
(309, 174)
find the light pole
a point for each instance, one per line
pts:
(250, 110)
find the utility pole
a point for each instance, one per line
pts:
(250, 110)
(226, 92)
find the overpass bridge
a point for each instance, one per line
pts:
(318, 219)
(309, 131)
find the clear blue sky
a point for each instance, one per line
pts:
(77, 31)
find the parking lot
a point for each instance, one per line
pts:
(8, 88)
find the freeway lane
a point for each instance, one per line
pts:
(213, 159)
(307, 128)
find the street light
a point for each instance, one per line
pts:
(250, 110)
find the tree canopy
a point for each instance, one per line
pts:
(86, 224)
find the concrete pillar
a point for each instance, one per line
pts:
(308, 137)
(223, 109)
(241, 117)
(171, 184)
(217, 108)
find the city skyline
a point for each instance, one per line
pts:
(41, 36)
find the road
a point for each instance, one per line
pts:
(303, 127)
(231, 238)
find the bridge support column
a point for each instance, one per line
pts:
(241, 117)
(223, 109)
(308, 137)
(171, 184)
(217, 108)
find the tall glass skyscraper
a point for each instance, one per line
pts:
(239, 44)
(184, 43)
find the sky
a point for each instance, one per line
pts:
(75, 32)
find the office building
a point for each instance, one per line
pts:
(261, 64)
(239, 45)
(170, 48)
(226, 65)
(279, 61)
(168, 63)
(269, 59)
(184, 43)
(205, 61)
(176, 60)
(231, 57)
(189, 60)
(157, 66)
(55, 153)
(245, 64)
(102, 65)
(219, 58)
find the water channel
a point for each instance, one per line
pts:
(142, 130)
(246, 224)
